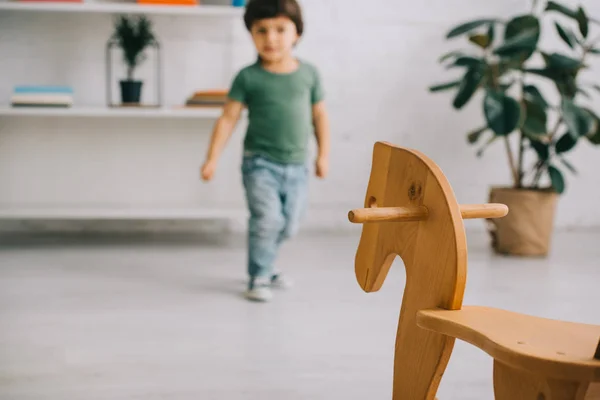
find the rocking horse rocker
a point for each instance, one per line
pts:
(410, 211)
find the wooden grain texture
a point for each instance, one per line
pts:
(420, 213)
(434, 254)
(515, 384)
(554, 349)
(387, 214)
(593, 392)
(487, 211)
(410, 211)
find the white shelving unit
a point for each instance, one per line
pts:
(123, 8)
(39, 213)
(68, 204)
(104, 112)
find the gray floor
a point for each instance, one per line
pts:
(165, 320)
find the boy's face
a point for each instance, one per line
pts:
(274, 38)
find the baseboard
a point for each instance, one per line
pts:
(330, 219)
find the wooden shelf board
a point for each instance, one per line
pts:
(116, 112)
(122, 8)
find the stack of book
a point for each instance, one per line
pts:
(42, 96)
(207, 98)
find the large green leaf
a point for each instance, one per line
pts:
(578, 15)
(566, 143)
(569, 166)
(445, 86)
(533, 94)
(554, 6)
(468, 27)
(473, 137)
(567, 86)
(519, 46)
(520, 38)
(578, 121)
(561, 62)
(454, 53)
(466, 61)
(491, 33)
(468, 86)
(545, 72)
(566, 35)
(557, 179)
(594, 135)
(521, 24)
(565, 80)
(502, 112)
(536, 119)
(584, 92)
(583, 22)
(542, 149)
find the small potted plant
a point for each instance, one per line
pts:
(534, 104)
(133, 37)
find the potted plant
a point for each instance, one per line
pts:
(533, 104)
(133, 37)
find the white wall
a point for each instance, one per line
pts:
(377, 59)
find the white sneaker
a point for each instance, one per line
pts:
(259, 290)
(279, 281)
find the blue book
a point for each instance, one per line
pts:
(46, 89)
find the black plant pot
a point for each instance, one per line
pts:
(131, 92)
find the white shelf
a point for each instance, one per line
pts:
(117, 112)
(123, 8)
(118, 213)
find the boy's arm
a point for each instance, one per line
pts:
(221, 133)
(321, 124)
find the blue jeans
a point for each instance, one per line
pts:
(276, 196)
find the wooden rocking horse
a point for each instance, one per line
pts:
(411, 211)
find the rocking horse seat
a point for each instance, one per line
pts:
(555, 349)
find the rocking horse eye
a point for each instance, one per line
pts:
(372, 202)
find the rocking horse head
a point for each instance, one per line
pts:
(410, 211)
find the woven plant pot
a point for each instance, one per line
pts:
(527, 229)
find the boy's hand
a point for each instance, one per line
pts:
(208, 170)
(322, 167)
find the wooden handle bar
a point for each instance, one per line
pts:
(405, 214)
(473, 211)
(387, 214)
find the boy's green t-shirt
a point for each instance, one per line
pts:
(279, 110)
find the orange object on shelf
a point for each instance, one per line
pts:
(170, 2)
(210, 93)
(49, 1)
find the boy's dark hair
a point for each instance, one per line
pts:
(263, 9)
